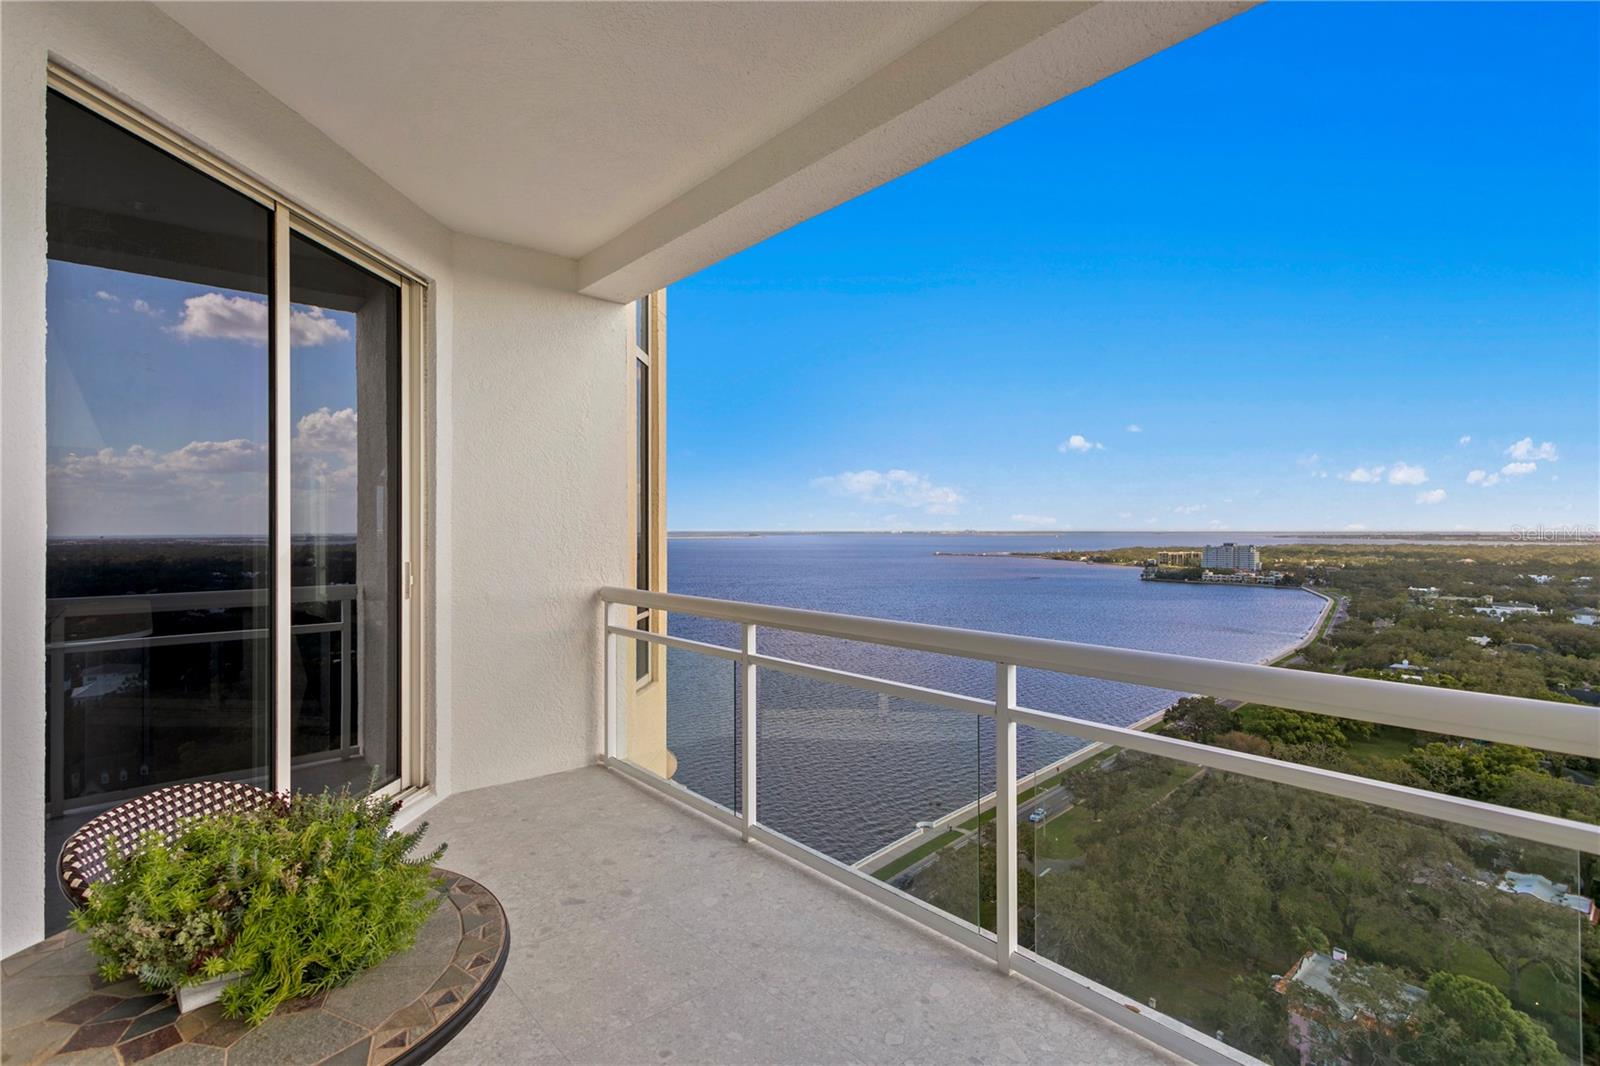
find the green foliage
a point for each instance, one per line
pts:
(1475, 771)
(1248, 743)
(298, 896)
(1198, 718)
(1301, 727)
(1456, 1021)
(1468, 1022)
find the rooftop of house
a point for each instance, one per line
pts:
(1541, 887)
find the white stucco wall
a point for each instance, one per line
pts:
(539, 510)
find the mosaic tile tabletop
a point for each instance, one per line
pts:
(54, 1006)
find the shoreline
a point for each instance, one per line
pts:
(931, 830)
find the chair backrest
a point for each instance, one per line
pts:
(83, 856)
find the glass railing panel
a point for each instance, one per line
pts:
(888, 785)
(948, 673)
(679, 717)
(1304, 928)
(705, 630)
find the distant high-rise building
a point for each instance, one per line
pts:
(1231, 556)
(1177, 558)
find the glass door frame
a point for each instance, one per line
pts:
(291, 219)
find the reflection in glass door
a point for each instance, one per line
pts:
(224, 596)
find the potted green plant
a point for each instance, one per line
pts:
(263, 906)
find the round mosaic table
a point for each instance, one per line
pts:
(399, 1012)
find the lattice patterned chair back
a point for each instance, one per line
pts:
(83, 856)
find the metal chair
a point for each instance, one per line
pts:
(83, 856)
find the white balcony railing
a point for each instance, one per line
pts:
(1539, 724)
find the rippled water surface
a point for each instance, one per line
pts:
(848, 771)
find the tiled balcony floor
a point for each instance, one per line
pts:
(643, 933)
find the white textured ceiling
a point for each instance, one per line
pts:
(556, 125)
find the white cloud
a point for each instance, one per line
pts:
(1191, 508)
(1401, 473)
(1079, 443)
(1518, 469)
(1355, 527)
(144, 308)
(1037, 521)
(899, 488)
(109, 491)
(1466, 439)
(1134, 427)
(1431, 496)
(1406, 474)
(1124, 514)
(312, 328)
(110, 298)
(1483, 478)
(1525, 450)
(213, 316)
(327, 430)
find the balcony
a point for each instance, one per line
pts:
(642, 932)
(1108, 857)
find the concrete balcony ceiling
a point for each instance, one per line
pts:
(641, 932)
(645, 141)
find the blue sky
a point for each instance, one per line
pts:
(157, 408)
(1325, 266)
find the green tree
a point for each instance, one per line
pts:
(1468, 1022)
(1198, 718)
(1475, 771)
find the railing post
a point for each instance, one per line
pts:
(616, 744)
(1005, 816)
(747, 730)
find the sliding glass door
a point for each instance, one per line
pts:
(226, 484)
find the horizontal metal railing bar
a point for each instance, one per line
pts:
(1567, 728)
(1542, 828)
(698, 646)
(897, 689)
(158, 602)
(169, 640)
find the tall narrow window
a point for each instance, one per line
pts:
(646, 504)
(158, 564)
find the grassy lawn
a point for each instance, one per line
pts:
(1064, 834)
(916, 855)
(1388, 742)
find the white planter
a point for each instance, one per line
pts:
(193, 997)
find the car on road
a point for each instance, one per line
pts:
(1037, 815)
